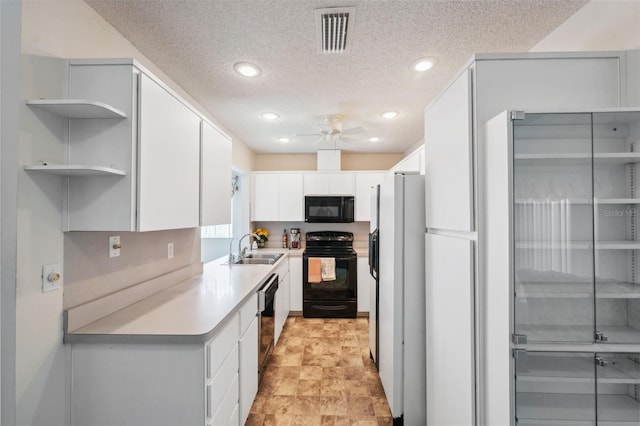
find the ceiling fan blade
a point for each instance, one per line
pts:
(354, 131)
(317, 141)
(308, 134)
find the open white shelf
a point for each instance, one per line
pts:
(76, 170)
(599, 245)
(580, 201)
(568, 333)
(576, 369)
(567, 290)
(577, 158)
(77, 108)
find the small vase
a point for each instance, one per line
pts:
(260, 244)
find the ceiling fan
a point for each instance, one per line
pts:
(331, 131)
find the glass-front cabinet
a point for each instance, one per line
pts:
(577, 389)
(576, 200)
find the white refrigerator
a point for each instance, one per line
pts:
(397, 249)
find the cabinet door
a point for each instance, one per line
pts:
(553, 228)
(450, 331)
(266, 197)
(449, 158)
(341, 183)
(618, 379)
(364, 183)
(248, 369)
(364, 284)
(291, 198)
(316, 184)
(554, 388)
(616, 143)
(168, 161)
(282, 305)
(215, 176)
(295, 283)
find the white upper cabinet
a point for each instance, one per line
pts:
(215, 176)
(364, 182)
(320, 183)
(266, 196)
(168, 153)
(277, 197)
(413, 162)
(155, 143)
(449, 158)
(291, 201)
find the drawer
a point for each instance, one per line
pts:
(222, 378)
(228, 404)
(221, 344)
(248, 312)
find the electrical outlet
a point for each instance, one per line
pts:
(51, 277)
(114, 246)
(170, 251)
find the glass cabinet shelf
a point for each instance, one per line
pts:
(567, 333)
(579, 245)
(577, 158)
(548, 408)
(558, 290)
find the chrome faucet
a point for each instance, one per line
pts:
(240, 249)
(231, 258)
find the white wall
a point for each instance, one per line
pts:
(52, 30)
(599, 25)
(9, 96)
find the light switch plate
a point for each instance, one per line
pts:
(114, 246)
(51, 277)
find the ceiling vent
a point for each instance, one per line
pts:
(334, 29)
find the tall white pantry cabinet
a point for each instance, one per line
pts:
(461, 320)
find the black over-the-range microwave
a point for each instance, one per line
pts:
(328, 208)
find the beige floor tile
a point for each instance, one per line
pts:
(320, 374)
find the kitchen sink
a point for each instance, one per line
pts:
(259, 259)
(270, 256)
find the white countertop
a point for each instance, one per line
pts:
(188, 312)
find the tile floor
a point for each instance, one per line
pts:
(320, 374)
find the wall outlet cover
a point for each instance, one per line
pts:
(51, 277)
(114, 246)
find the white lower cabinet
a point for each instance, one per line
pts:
(295, 283)
(282, 301)
(169, 383)
(248, 369)
(364, 284)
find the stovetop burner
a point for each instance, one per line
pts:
(329, 241)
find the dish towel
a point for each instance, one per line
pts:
(315, 271)
(328, 268)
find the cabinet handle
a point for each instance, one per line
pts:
(601, 362)
(208, 402)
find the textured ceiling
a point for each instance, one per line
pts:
(197, 43)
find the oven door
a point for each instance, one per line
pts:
(343, 287)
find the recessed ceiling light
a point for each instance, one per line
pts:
(284, 140)
(270, 116)
(247, 69)
(389, 114)
(374, 139)
(423, 64)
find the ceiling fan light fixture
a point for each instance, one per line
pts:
(374, 139)
(247, 69)
(269, 116)
(389, 114)
(423, 64)
(284, 140)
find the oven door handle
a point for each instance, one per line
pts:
(262, 292)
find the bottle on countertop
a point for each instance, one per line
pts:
(285, 242)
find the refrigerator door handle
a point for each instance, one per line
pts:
(373, 254)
